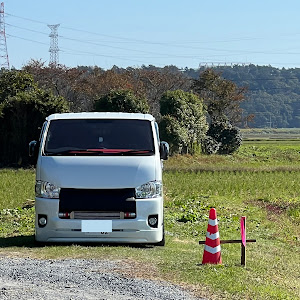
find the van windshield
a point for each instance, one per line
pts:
(99, 137)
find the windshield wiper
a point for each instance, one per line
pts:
(134, 152)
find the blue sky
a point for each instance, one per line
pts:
(185, 33)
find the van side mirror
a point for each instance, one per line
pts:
(164, 150)
(33, 148)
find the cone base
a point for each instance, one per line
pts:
(209, 258)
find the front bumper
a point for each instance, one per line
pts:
(123, 230)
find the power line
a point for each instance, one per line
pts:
(79, 52)
(25, 39)
(118, 39)
(70, 51)
(165, 44)
(27, 29)
(119, 48)
(108, 46)
(27, 19)
(162, 55)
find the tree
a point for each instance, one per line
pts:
(183, 123)
(121, 101)
(11, 82)
(23, 108)
(154, 82)
(70, 83)
(222, 97)
(221, 138)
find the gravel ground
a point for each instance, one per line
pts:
(26, 278)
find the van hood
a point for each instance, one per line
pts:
(103, 172)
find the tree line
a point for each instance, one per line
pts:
(194, 115)
(272, 98)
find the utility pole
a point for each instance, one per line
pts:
(53, 45)
(270, 121)
(4, 63)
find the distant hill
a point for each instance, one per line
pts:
(273, 94)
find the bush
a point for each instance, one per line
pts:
(222, 136)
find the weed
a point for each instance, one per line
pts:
(16, 221)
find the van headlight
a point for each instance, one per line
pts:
(151, 189)
(46, 189)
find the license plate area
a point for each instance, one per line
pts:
(96, 226)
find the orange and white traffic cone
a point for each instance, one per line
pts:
(212, 248)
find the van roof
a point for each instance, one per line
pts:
(101, 115)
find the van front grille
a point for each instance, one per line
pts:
(100, 200)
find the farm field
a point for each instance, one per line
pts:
(260, 181)
(271, 133)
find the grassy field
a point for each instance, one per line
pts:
(271, 133)
(261, 181)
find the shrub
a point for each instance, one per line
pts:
(228, 138)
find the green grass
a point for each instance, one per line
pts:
(261, 181)
(270, 272)
(16, 187)
(253, 156)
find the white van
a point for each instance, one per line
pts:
(99, 179)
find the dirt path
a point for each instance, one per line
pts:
(27, 278)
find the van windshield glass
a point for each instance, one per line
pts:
(99, 137)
